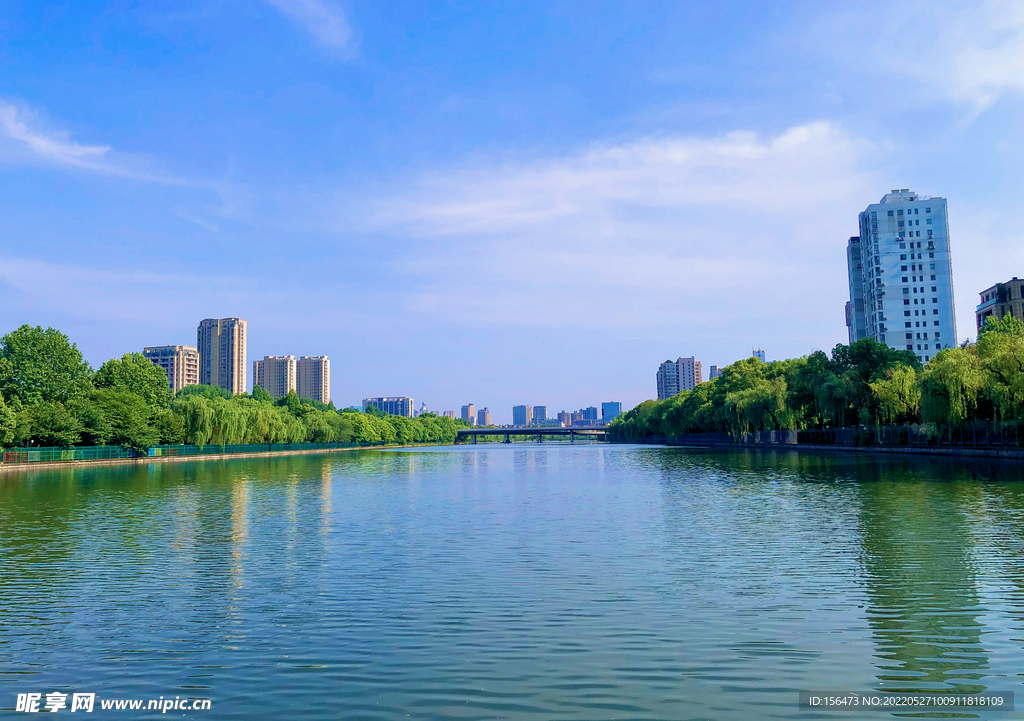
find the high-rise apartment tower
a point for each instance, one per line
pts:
(221, 345)
(313, 378)
(904, 278)
(682, 374)
(275, 374)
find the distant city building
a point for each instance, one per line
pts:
(483, 417)
(714, 372)
(589, 413)
(313, 378)
(540, 413)
(612, 409)
(221, 345)
(469, 414)
(758, 353)
(901, 275)
(564, 419)
(682, 374)
(392, 406)
(180, 363)
(275, 374)
(1000, 300)
(522, 415)
(448, 414)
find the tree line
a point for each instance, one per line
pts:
(861, 384)
(50, 396)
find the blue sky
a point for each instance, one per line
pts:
(495, 203)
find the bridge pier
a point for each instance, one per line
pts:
(572, 436)
(507, 440)
(474, 439)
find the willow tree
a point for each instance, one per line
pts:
(898, 396)
(197, 415)
(950, 385)
(1001, 349)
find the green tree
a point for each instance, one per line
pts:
(208, 392)
(52, 424)
(949, 386)
(258, 394)
(898, 396)
(1001, 349)
(197, 417)
(8, 423)
(39, 365)
(134, 372)
(129, 417)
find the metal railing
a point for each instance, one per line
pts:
(91, 453)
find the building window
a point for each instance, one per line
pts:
(904, 279)
(906, 301)
(936, 332)
(934, 287)
(903, 234)
(890, 213)
(934, 300)
(906, 312)
(906, 291)
(910, 346)
(910, 336)
(935, 312)
(907, 324)
(931, 255)
(899, 213)
(903, 267)
(900, 224)
(903, 246)
(927, 221)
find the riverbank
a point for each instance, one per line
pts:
(145, 460)
(948, 451)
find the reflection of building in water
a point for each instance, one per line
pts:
(923, 605)
(239, 526)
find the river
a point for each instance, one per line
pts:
(513, 582)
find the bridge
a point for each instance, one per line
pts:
(588, 432)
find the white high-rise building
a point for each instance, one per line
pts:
(901, 275)
(682, 374)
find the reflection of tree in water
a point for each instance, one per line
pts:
(921, 584)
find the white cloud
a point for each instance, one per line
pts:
(25, 139)
(604, 185)
(672, 234)
(962, 51)
(324, 21)
(56, 146)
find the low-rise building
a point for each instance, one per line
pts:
(1000, 300)
(180, 362)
